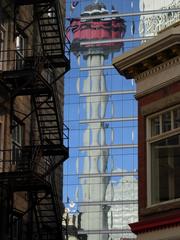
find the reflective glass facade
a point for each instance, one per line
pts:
(100, 177)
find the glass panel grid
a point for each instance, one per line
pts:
(100, 177)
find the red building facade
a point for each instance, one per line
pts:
(155, 67)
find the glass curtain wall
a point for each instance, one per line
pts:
(100, 177)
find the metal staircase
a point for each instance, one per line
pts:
(49, 123)
(52, 36)
(48, 215)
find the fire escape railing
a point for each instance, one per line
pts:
(29, 63)
(26, 158)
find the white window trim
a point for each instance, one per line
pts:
(149, 141)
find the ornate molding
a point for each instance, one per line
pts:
(159, 68)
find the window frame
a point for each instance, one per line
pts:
(17, 226)
(17, 143)
(153, 139)
(20, 43)
(1, 141)
(2, 44)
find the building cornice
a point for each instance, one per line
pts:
(156, 73)
(159, 68)
(156, 51)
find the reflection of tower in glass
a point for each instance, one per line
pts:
(94, 213)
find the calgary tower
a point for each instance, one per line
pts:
(93, 39)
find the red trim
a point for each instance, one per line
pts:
(154, 224)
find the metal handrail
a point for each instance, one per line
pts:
(64, 38)
(14, 161)
(63, 128)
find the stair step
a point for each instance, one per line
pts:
(50, 110)
(46, 210)
(48, 120)
(45, 204)
(55, 131)
(44, 108)
(47, 114)
(44, 222)
(51, 140)
(48, 24)
(42, 95)
(47, 133)
(42, 102)
(49, 37)
(51, 11)
(43, 120)
(42, 9)
(51, 214)
(48, 216)
(54, 139)
(50, 31)
(54, 36)
(53, 43)
(47, 50)
(48, 127)
(43, 5)
(49, 17)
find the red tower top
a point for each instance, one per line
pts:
(106, 28)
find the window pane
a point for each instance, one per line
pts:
(165, 169)
(166, 121)
(155, 126)
(176, 113)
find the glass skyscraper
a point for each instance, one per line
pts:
(100, 177)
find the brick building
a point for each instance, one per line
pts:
(34, 56)
(155, 67)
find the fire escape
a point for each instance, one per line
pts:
(33, 167)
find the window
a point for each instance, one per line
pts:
(165, 121)
(16, 227)
(164, 152)
(1, 144)
(19, 51)
(2, 42)
(17, 141)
